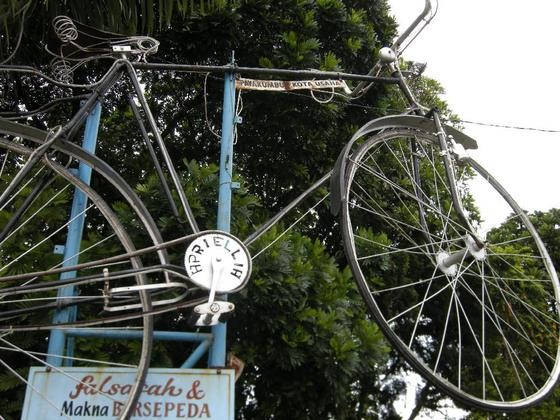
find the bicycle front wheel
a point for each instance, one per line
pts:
(35, 218)
(480, 322)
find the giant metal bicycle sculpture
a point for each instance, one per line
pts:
(456, 299)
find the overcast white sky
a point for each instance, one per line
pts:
(499, 61)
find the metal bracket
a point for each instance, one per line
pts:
(210, 313)
(58, 249)
(132, 292)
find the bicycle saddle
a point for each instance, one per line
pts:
(75, 41)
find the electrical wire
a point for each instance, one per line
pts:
(512, 127)
(205, 95)
(238, 110)
(389, 111)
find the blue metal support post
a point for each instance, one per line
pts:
(217, 352)
(57, 340)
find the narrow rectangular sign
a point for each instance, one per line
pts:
(279, 85)
(87, 393)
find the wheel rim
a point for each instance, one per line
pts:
(484, 327)
(41, 202)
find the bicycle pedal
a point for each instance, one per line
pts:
(210, 313)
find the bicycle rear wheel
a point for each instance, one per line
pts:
(480, 324)
(34, 220)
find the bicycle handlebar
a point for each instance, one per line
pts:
(363, 87)
(400, 40)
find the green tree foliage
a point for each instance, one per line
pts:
(299, 326)
(315, 333)
(310, 349)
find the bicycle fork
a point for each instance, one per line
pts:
(474, 245)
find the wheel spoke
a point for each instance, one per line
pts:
(421, 308)
(485, 362)
(494, 315)
(35, 218)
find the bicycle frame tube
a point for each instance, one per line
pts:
(152, 152)
(261, 230)
(161, 144)
(70, 129)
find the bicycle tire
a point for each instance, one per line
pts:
(485, 330)
(43, 198)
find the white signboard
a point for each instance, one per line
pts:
(279, 85)
(87, 393)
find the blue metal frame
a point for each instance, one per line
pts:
(217, 352)
(204, 339)
(214, 342)
(57, 340)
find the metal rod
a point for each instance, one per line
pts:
(57, 339)
(417, 185)
(217, 354)
(163, 149)
(153, 155)
(14, 219)
(451, 179)
(96, 322)
(400, 40)
(195, 68)
(258, 71)
(101, 88)
(278, 216)
(197, 354)
(125, 334)
(33, 158)
(35, 287)
(101, 262)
